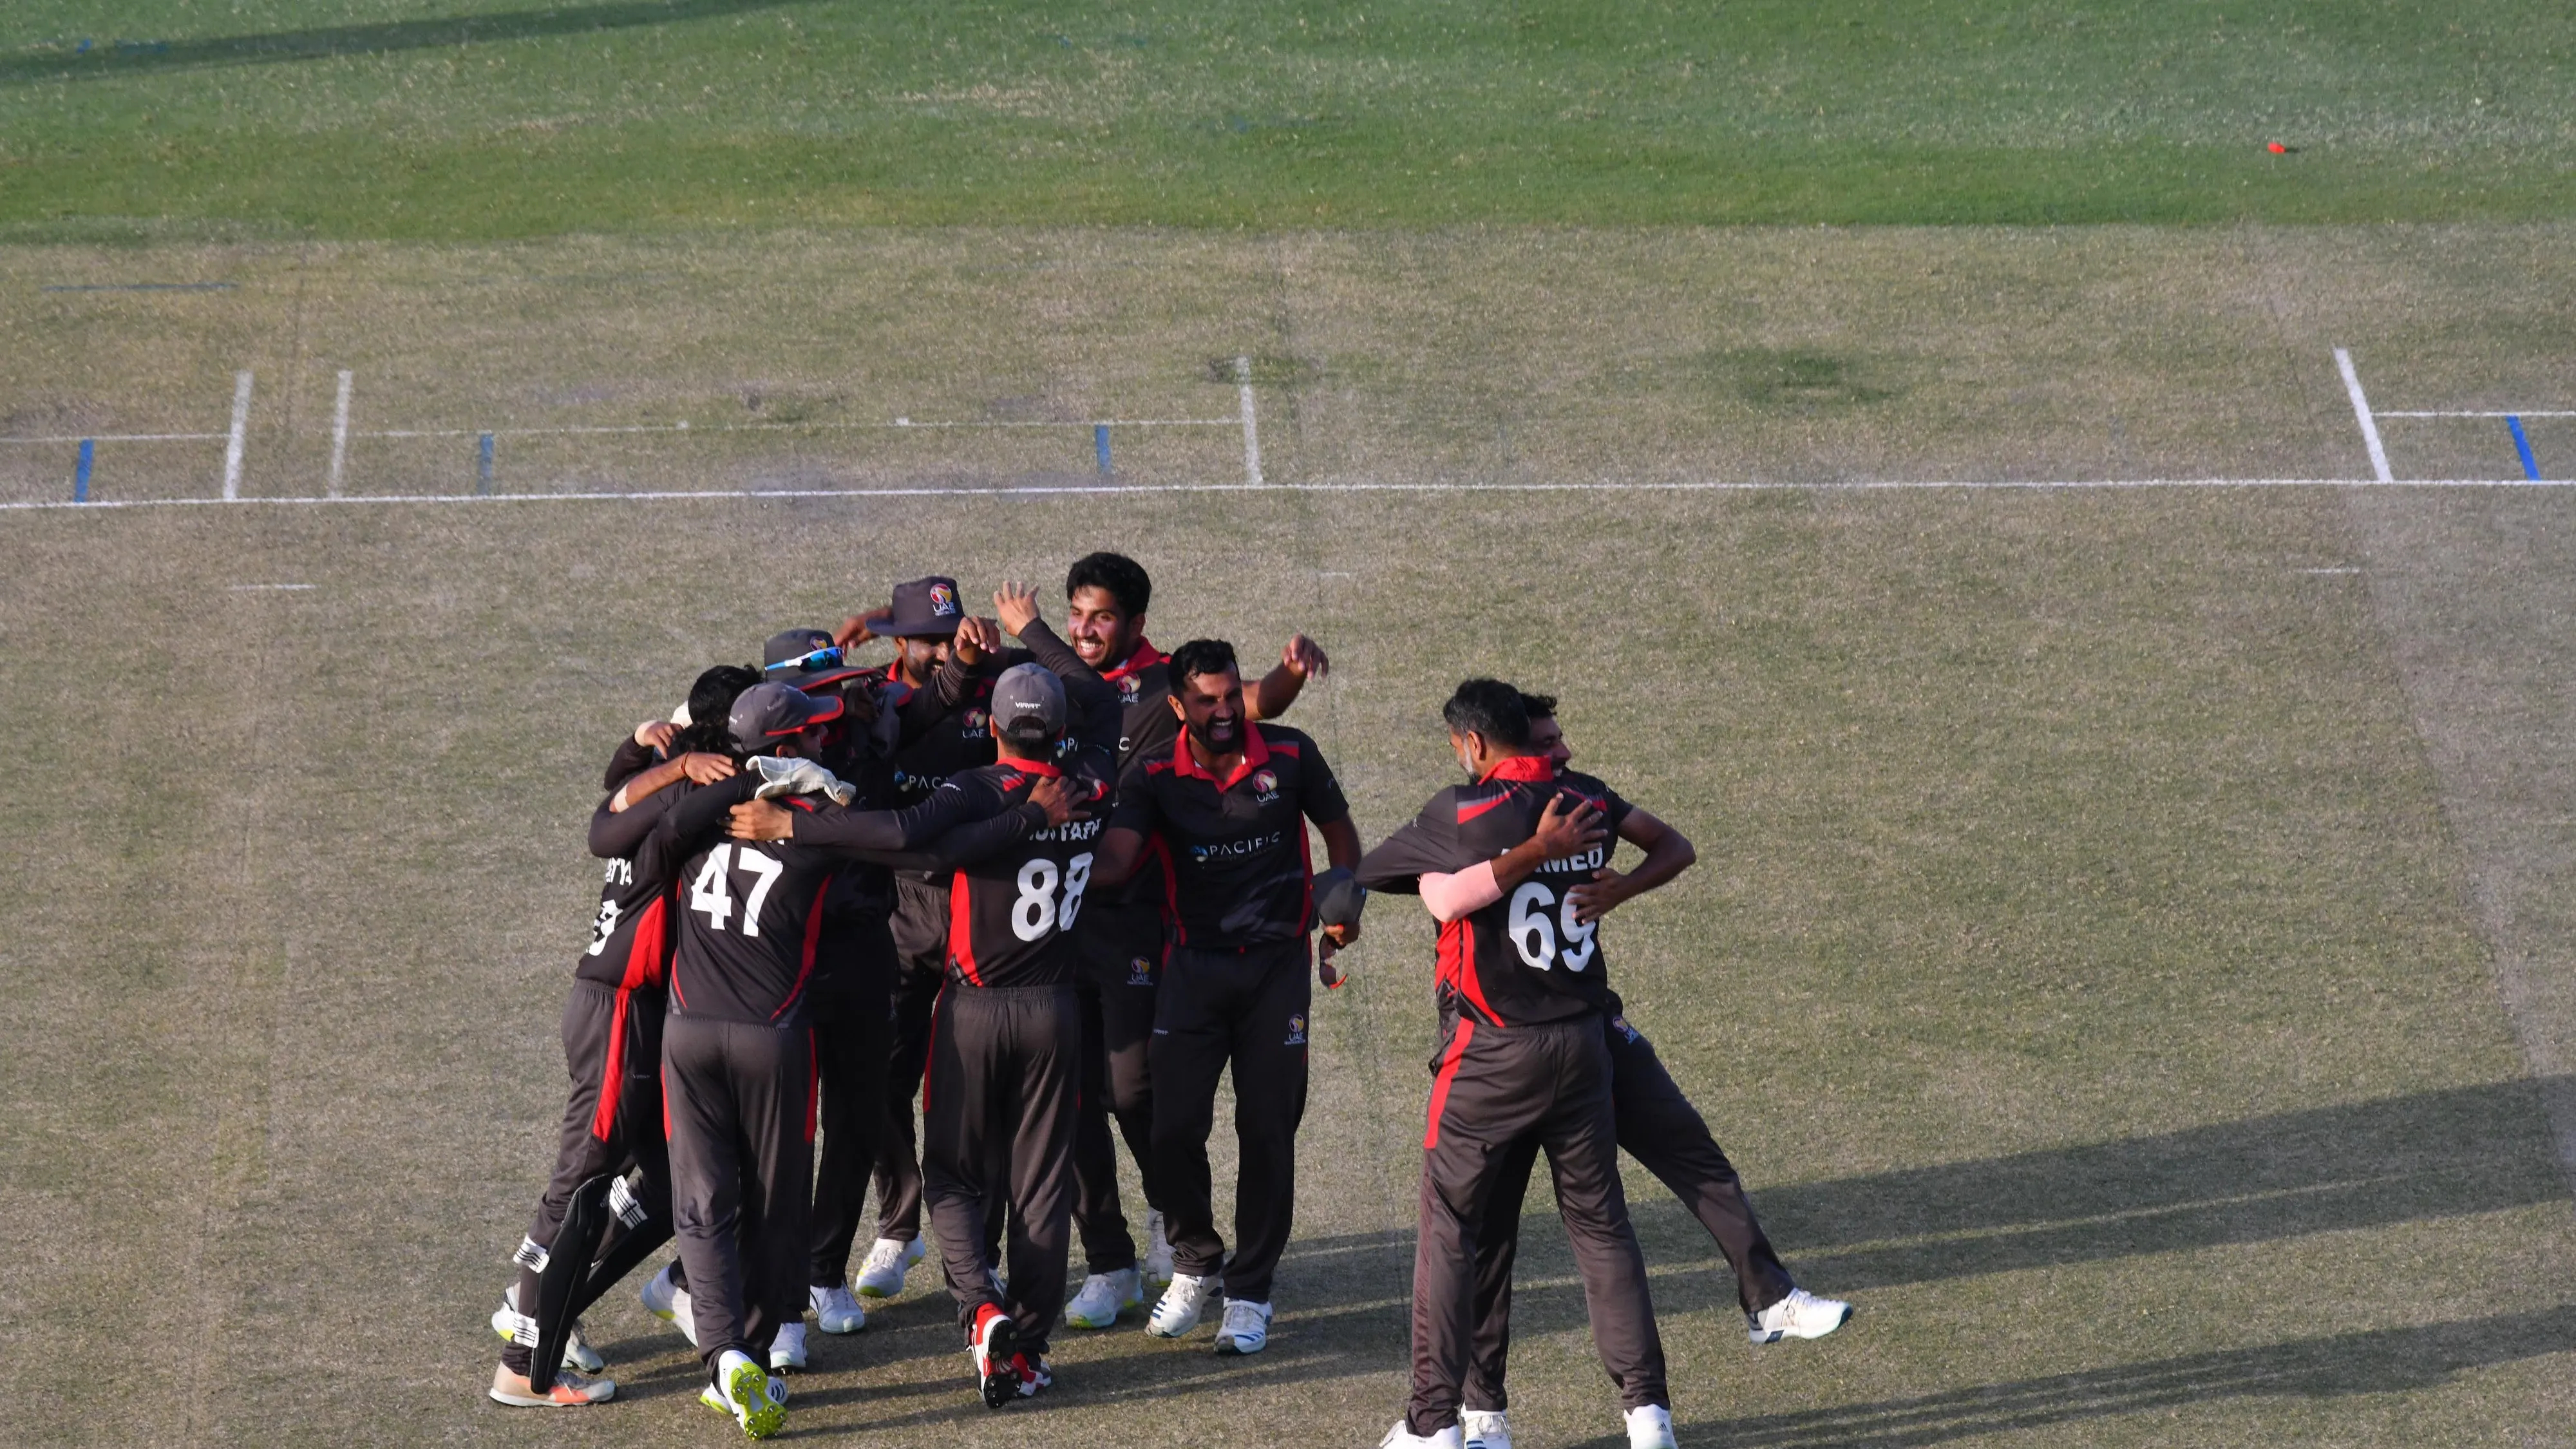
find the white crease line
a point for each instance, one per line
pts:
(256, 588)
(2524, 413)
(898, 425)
(126, 438)
(1100, 489)
(2361, 414)
(2329, 571)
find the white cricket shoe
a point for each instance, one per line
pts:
(1246, 1328)
(1158, 1251)
(1401, 1437)
(1486, 1428)
(1103, 1297)
(515, 1327)
(752, 1399)
(888, 1260)
(1650, 1426)
(787, 1350)
(837, 1309)
(571, 1390)
(669, 1302)
(1800, 1315)
(1182, 1303)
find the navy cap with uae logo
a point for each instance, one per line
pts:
(765, 714)
(924, 608)
(1028, 705)
(805, 658)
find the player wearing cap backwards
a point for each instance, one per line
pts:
(1657, 1125)
(1229, 806)
(1121, 939)
(1522, 991)
(737, 1053)
(612, 1037)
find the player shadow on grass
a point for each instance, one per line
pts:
(85, 60)
(2388, 1360)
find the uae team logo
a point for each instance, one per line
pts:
(976, 720)
(1296, 1030)
(1267, 784)
(1128, 689)
(943, 600)
(1140, 972)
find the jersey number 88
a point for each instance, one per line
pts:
(1037, 912)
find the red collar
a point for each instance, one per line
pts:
(1145, 657)
(1039, 768)
(1256, 753)
(1529, 769)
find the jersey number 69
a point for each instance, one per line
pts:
(1535, 934)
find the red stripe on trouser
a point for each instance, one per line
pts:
(930, 1049)
(813, 1085)
(612, 1078)
(1448, 1074)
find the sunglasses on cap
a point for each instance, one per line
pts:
(828, 657)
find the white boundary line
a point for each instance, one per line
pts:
(340, 432)
(2500, 413)
(2361, 413)
(1132, 489)
(235, 440)
(124, 438)
(1251, 430)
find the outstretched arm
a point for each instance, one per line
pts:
(1302, 659)
(1668, 854)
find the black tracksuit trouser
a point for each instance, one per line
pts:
(612, 1041)
(997, 1113)
(1499, 1091)
(1660, 1128)
(1247, 1008)
(1118, 993)
(741, 1100)
(920, 931)
(853, 1035)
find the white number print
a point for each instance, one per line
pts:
(1033, 914)
(1077, 879)
(712, 891)
(1535, 935)
(1037, 911)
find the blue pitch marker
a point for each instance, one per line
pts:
(483, 468)
(2522, 445)
(1100, 446)
(80, 470)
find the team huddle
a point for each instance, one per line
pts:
(1050, 890)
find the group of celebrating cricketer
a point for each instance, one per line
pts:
(1048, 889)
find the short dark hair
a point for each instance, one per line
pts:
(1539, 706)
(1120, 576)
(1201, 656)
(1490, 708)
(710, 705)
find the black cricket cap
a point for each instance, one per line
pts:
(767, 713)
(796, 644)
(924, 609)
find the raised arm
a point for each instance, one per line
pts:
(1668, 854)
(1302, 659)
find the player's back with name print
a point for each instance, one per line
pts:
(1010, 913)
(1526, 958)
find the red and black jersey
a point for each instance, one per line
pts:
(1234, 866)
(747, 916)
(630, 938)
(1525, 958)
(949, 742)
(1009, 910)
(1146, 724)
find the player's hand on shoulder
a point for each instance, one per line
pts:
(1567, 826)
(1061, 797)
(705, 768)
(1305, 658)
(1016, 605)
(655, 734)
(759, 820)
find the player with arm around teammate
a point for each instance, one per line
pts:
(1522, 1063)
(1229, 807)
(1657, 1125)
(612, 1037)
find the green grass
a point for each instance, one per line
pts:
(466, 120)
